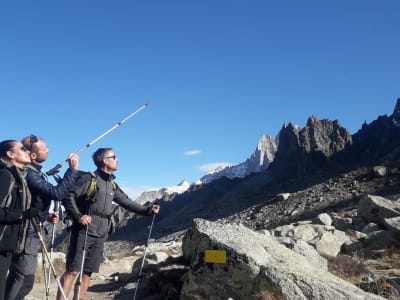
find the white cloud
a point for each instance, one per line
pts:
(192, 152)
(211, 166)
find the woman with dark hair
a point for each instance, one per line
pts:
(15, 201)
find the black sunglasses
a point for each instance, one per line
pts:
(113, 157)
(32, 139)
(22, 148)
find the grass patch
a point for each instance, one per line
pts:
(59, 266)
(370, 278)
(347, 268)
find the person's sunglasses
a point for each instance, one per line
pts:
(113, 157)
(32, 139)
(23, 148)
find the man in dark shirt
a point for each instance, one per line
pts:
(92, 217)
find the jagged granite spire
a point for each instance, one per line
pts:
(257, 162)
(262, 156)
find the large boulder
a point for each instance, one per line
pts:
(256, 264)
(376, 208)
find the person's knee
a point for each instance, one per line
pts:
(72, 273)
(88, 274)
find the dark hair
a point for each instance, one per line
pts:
(99, 156)
(6, 146)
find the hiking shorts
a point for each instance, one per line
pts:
(93, 255)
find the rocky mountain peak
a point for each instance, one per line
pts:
(308, 149)
(184, 182)
(396, 113)
(258, 161)
(290, 126)
(325, 136)
(312, 120)
(263, 155)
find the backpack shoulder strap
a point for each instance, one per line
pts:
(92, 186)
(114, 184)
(7, 199)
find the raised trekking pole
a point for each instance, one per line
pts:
(49, 260)
(144, 257)
(54, 170)
(79, 283)
(53, 233)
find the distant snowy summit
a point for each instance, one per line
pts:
(176, 189)
(150, 196)
(257, 162)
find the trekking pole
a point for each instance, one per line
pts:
(83, 260)
(49, 260)
(46, 280)
(53, 233)
(58, 166)
(144, 256)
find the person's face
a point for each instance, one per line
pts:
(40, 151)
(111, 162)
(19, 155)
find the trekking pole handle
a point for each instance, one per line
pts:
(58, 166)
(54, 171)
(56, 206)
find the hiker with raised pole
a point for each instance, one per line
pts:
(22, 272)
(90, 206)
(15, 202)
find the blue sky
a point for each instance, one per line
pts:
(216, 75)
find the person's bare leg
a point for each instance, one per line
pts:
(84, 286)
(67, 281)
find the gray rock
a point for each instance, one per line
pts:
(376, 208)
(325, 219)
(255, 263)
(392, 224)
(380, 171)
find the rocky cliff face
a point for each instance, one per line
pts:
(262, 156)
(308, 150)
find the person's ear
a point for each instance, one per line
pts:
(33, 155)
(10, 154)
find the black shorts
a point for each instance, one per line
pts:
(93, 255)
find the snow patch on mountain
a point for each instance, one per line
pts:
(150, 196)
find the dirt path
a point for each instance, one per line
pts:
(103, 285)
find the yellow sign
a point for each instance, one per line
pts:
(215, 256)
